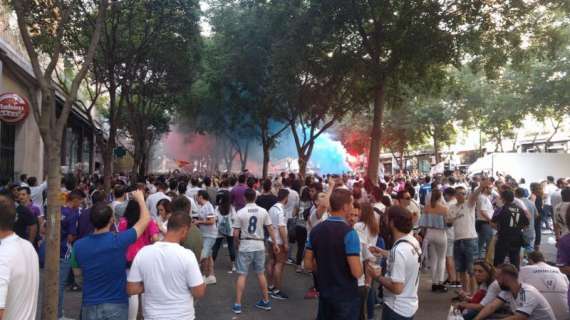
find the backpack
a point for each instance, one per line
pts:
(224, 226)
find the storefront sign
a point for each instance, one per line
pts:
(13, 108)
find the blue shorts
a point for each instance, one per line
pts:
(247, 259)
(464, 252)
(208, 244)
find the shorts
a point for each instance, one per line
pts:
(247, 259)
(207, 246)
(464, 253)
(280, 257)
(449, 252)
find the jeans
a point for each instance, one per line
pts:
(501, 252)
(464, 253)
(371, 301)
(389, 314)
(64, 270)
(105, 311)
(301, 236)
(547, 215)
(339, 309)
(485, 234)
(231, 249)
(291, 226)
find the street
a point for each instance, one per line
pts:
(220, 297)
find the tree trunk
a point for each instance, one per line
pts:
(53, 232)
(302, 166)
(266, 158)
(376, 135)
(436, 149)
(110, 145)
(243, 157)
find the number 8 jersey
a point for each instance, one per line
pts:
(250, 221)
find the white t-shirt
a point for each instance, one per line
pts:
(194, 207)
(549, 189)
(277, 215)
(293, 201)
(193, 192)
(464, 223)
(529, 302)
(404, 267)
(366, 240)
(207, 211)
(250, 221)
(492, 292)
(484, 207)
(551, 283)
(168, 272)
(153, 200)
(314, 220)
(19, 279)
(37, 195)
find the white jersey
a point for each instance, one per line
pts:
(207, 212)
(277, 215)
(19, 279)
(168, 272)
(404, 267)
(492, 292)
(551, 283)
(250, 220)
(528, 302)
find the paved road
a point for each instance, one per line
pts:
(219, 297)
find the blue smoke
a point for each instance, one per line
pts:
(329, 155)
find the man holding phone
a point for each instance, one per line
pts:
(403, 270)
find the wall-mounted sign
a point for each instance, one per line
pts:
(13, 108)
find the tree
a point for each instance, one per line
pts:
(313, 77)
(492, 105)
(46, 28)
(399, 42)
(240, 68)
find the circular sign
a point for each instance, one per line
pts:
(13, 108)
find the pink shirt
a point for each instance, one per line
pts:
(143, 240)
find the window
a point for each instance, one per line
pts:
(7, 142)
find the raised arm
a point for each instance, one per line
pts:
(144, 218)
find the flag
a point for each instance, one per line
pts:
(182, 163)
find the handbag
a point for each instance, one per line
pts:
(454, 314)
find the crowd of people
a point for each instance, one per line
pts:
(365, 243)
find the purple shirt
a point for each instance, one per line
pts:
(84, 225)
(563, 258)
(238, 196)
(35, 210)
(69, 219)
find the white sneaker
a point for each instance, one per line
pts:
(210, 280)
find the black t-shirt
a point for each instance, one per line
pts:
(510, 224)
(24, 219)
(266, 201)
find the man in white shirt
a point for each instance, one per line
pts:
(402, 278)
(277, 261)
(291, 210)
(207, 223)
(154, 198)
(525, 301)
(120, 203)
(19, 269)
(192, 192)
(249, 238)
(37, 192)
(462, 215)
(168, 275)
(194, 208)
(484, 211)
(549, 281)
(549, 190)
